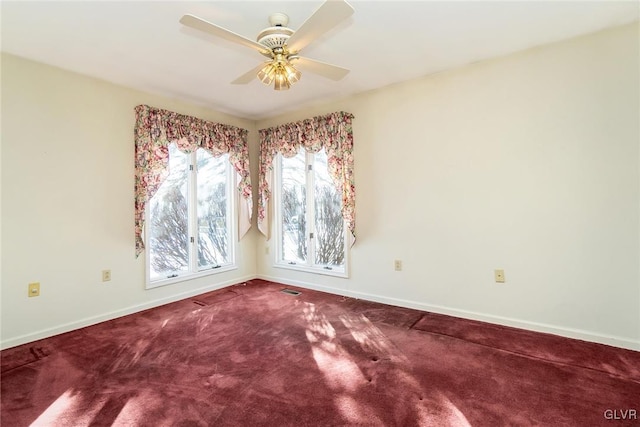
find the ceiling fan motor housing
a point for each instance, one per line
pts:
(278, 34)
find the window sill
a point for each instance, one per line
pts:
(314, 270)
(189, 276)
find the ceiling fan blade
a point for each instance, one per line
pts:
(323, 69)
(330, 14)
(249, 76)
(207, 27)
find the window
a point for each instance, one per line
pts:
(309, 224)
(189, 223)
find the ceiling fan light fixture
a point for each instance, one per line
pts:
(293, 75)
(267, 73)
(281, 81)
(280, 72)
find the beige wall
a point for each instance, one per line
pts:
(67, 202)
(527, 163)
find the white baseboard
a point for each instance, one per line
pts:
(471, 315)
(532, 326)
(88, 321)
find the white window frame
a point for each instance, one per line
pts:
(309, 266)
(232, 209)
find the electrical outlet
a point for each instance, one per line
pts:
(106, 275)
(266, 250)
(397, 265)
(499, 275)
(34, 289)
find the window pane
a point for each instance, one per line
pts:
(294, 208)
(329, 233)
(168, 221)
(213, 224)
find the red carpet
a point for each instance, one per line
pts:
(552, 348)
(250, 355)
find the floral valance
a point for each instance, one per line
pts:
(332, 132)
(155, 129)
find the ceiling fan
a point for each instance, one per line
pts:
(282, 45)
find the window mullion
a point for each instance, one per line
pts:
(192, 213)
(232, 200)
(311, 254)
(277, 200)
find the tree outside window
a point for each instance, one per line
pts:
(310, 222)
(189, 224)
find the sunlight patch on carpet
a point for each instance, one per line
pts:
(129, 354)
(340, 372)
(371, 338)
(318, 327)
(454, 417)
(335, 363)
(204, 321)
(133, 412)
(355, 413)
(68, 410)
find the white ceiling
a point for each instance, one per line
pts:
(141, 44)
